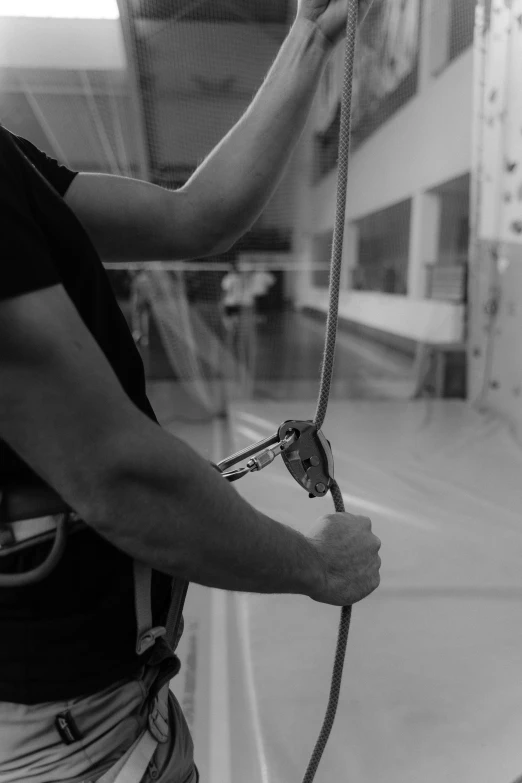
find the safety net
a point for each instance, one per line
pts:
(247, 322)
(152, 89)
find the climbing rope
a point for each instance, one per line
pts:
(316, 446)
(338, 237)
(329, 360)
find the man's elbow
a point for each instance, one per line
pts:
(221, 246)
(209, 248)
(189, 228)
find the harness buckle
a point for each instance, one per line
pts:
(159, 718)
(148, 639)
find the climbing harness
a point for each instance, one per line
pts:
(19, 530)
(17, 534)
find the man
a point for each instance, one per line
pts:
(78, 696)
(241, 289)
(233, 287)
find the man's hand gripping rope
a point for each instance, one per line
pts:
(345, 545)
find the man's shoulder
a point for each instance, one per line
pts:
(10, 163)
(7, 139)
(10, 151)
(14, 148)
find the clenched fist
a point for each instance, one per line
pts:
(329, 16)
(349, 554)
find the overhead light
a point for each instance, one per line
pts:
(65, 9)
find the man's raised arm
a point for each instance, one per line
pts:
(133, 220)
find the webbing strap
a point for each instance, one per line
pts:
(132, 766)
(140, 758)
(174, 622)
(22, 530)
(146, 635)
(134, 763)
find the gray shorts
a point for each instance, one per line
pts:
(108, 723)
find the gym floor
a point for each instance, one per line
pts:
(432, 688)
(281, 352)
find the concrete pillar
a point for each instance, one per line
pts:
(301, 281)
(436, 19)
(424, 240)
(350, 253)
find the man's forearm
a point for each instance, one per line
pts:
(232, 186)
(166, 506)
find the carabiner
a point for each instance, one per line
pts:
(262, 454)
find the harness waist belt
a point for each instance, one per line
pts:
(26, 529)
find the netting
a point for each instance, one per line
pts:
(198, 67)
(178, 78)
(213, 331)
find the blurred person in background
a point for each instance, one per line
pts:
(84, 660)
(140, 309)
(242, 288)
(233, 287)
(261, 281)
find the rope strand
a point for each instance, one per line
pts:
(338, 237)
(329, 361)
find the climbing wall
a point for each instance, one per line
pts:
(495, 326)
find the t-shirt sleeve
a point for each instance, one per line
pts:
(59, 176)
(25, 259)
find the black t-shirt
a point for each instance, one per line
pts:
(73, 633)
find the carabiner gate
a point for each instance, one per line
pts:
(262, 454)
